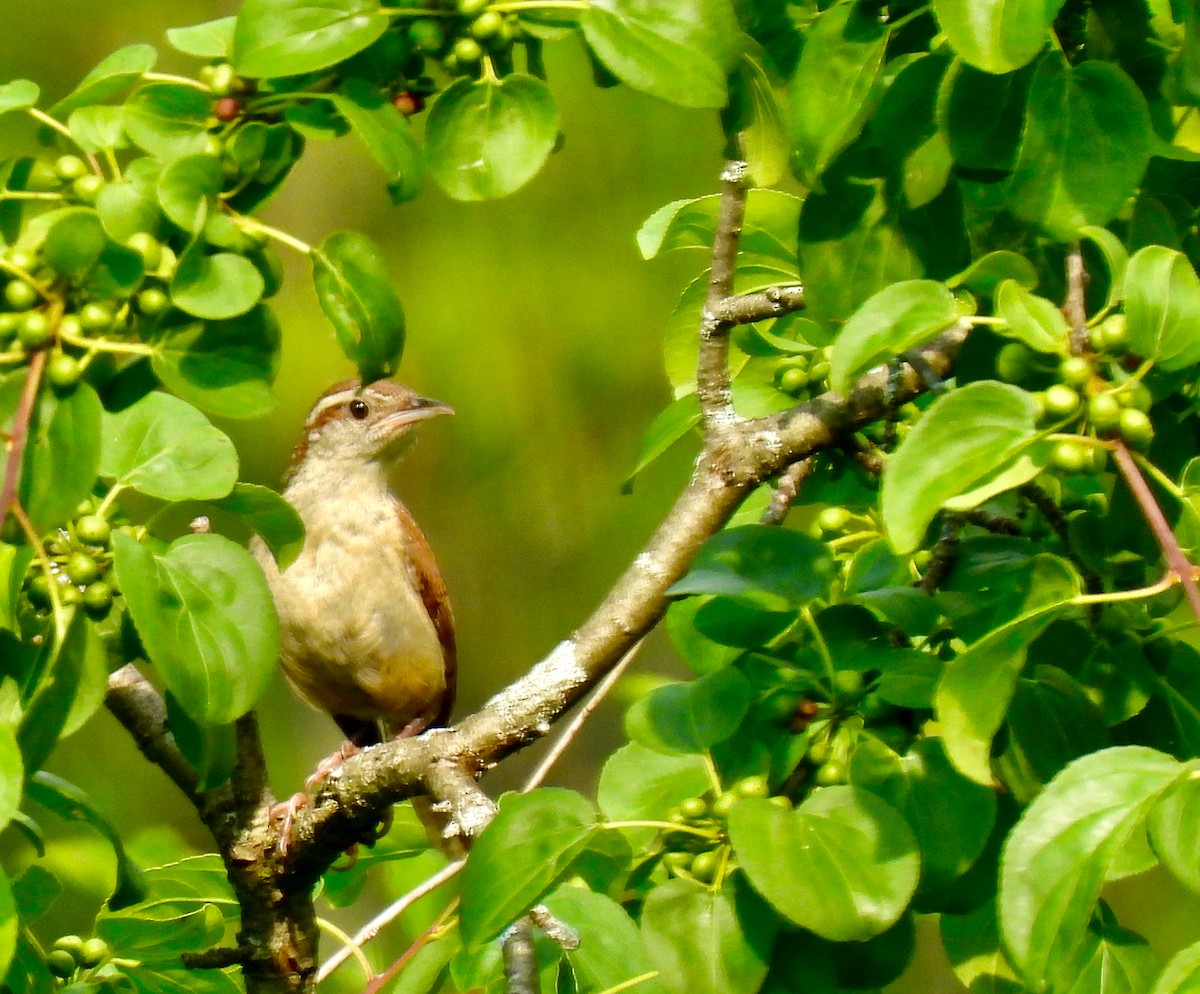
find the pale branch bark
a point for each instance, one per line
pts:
(773, 302)
(787, 487)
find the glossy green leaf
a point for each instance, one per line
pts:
(976, 954)
(10, 925)
(844, 864)
(1174, 825)
(964, 439)
(223, 367)
(639, 784)
(1162, 299)
(677, 50)
(523, 852)
(772, 567)
(761, 126)
(69, 802)
(168, 120)
(215, 287)
(385, 133)
(673, 423)
(97, 128)
(1031, 319)
(206, 618)
(45, 714)
(115, 72)
(12, 775)
(14, 561)
(1085, 146)
(272, 517)
(62, 454)
(981, 115)
(35, 890)
(353, 288)
(486, 138)
(610, 950)
(768, 226)
(75, 240)
(1057, 856)
(701, 654)
(977, 685)
(290, 37)
(130, 204)
(210, 40)
(163, 447)
(690, 717)
(831, 92)
(997, 37)
(700, 942)
(18, 94)
(894, 320)
(1182, 974)
(950, 816)
(187, 185)
(1115, 259)
(985, 275)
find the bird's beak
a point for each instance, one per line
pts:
(421, 409)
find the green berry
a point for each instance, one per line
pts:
(1104, 411)
(71, 943)
(781, 802)
(755, 786)
(70, 167)
(8, 325)
(84, 507)
(95, 317)
(97, 599)
(1111, 335)
(221, 78)
(467, 51)
(42, 178)
(486, 25)
(148, 247)
(830, 774)
(678, 862)
(39, 590)
(63, 371)
(69, 595)
(61, 963)
(34, 330)
(69, 326)
(1070, 457)
(819, 371)
(95, 950)
(1061, 401)
(1075, 371)
(19, 295)
(724, 804)
(1136, 395)
(1135, 428)
(1014, 362)
(833, 519)
(87, 188)
(82, 569)
(705, 866)
(848, 683)
(93, 529)
(694, 808)
(792, 381)
(471, 8)
(426, 35)
(152, 302)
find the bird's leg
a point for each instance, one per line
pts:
(285, 812)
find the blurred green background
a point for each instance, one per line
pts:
(534, 317)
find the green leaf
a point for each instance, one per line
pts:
(75, 240)
(69, 802)
(1181, 975)
(844, 864)
(973, 947)
(1085, 146)
(45, 715)
(1174, 825)
(996, 37)
(486, 138)
(768, 226)
(831, 93)
(14, 561)
(10, 925)
(215, 287)
(767, 566)
(116, 72)
(1162, 299)
(223, 367)
(981, 115)
(12, 775)
(61, 455)
(950, 816)
(206, 618)
(210, 40)
(19, 94)
(976, 687)
(673, 423)
(523, 852)
(386, 134)
(894, 320)
(1115, 259)
(187, 185)
(640, 784)
(699, 942)
(1056, 857)
(163, 447)
(965, 438)
(97, 128)
(1031, 319)
(168, 120)
(268, 514)
(290, 37)
(352, 284)
(677, 50)
(689, 717)
(610, 950)
(761, 129)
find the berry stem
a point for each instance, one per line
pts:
(247, 223)
(50, 122)
(666, 826)
(166, 77)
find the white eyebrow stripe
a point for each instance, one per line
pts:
(325, 403)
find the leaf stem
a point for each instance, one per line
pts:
(105, 345)
(109, 498)
(1162, 586)
(51, 122)
(247, 223)
(666, 826)
(348, 943)
(624, 985)
(416, 12)
(819, 639)
(166, 77)
(29, 195)
(519, 5)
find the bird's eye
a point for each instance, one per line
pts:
(359, 409)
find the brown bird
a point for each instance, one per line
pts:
(366, 631)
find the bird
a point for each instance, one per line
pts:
(365, 624)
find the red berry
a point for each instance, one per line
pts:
(408, 103)
(227, 109)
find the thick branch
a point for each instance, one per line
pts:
(773, 302)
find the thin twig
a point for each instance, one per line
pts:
(787, 487)
(1075, 305)
(520, 959)
(20, 432)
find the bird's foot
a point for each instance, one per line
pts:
(285, 812)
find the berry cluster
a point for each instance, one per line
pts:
(80, 561)
(72, 954)
(802, 376)
(474, 29)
